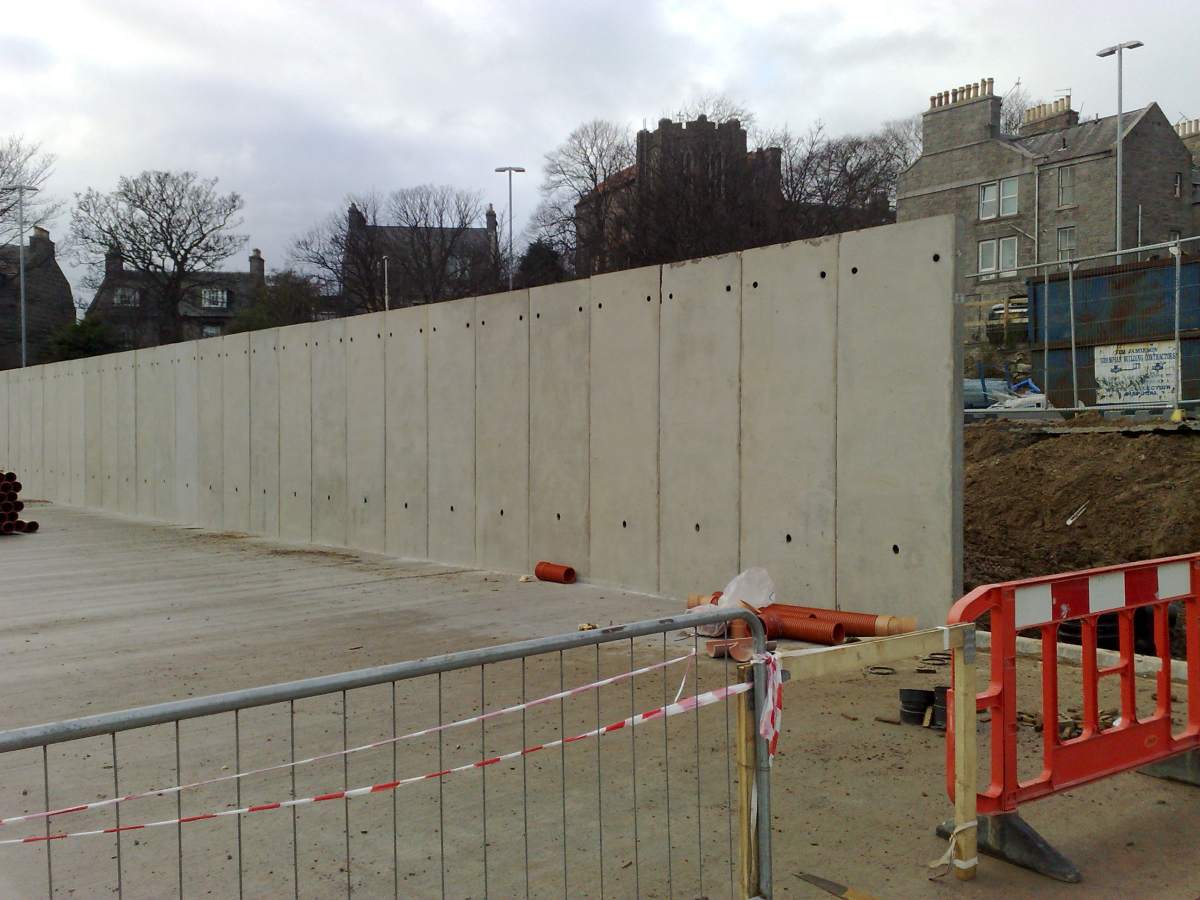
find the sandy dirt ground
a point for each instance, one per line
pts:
(101, 612)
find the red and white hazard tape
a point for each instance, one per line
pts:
(671, 709)
(770, 720)
(424, 732)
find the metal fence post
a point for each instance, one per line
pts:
(1178, 251)
(747, 837)
(1046, 336)
(762, 763)
(1071, 307)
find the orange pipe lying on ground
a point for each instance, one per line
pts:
(548, 571)
(858, 624)
(783, 621)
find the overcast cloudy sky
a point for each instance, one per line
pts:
(294, 103)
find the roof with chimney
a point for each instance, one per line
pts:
(1085, 139)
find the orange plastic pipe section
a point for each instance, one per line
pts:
(548, 571)
(783, 621)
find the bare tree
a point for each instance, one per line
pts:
(344, 253)
(23, 162)
(167, 225)
(901, 140)
(717, 107)
(1012, 108)
(592, 155)
(436, 255)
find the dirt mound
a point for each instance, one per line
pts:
(1021, 487)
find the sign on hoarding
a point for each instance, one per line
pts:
(1143, 373)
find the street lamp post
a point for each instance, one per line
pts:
(387, 304)
(21, 190)
(1119, 50)
(510, 170)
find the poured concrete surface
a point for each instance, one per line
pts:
(102, 612)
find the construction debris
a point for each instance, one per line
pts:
(11, 507)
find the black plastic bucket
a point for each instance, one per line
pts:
(939, 706)
(913, 703)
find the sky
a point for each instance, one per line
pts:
(296, 104)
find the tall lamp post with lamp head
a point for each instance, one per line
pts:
(1118, 50)
(22, 190)
(510, 170)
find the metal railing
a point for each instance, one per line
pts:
(549, 818)
(1110, 314)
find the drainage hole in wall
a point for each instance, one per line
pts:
(937, 257)
(468, 324)
(451, 509)
(600, 305)
(787, 538)
(624, 524)
(670, 296)
(364, 499)
(539, 315)
(647, 298)
(502, 514)
(521, 318)
(294, 494)
(264, 491)
(482, 322)
(728, 288)
(558, 516)
(581, 309)
(854, 270)
(328, 497)
(697, 527)
(755, 284)
(406, 504)
(896, 549)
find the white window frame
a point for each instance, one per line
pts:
(1002, 245)
(987, 272)
(214, 298)
(1070, 186)
(1015, 185)
(994, 202)
(127, 297)
(1058, 242)
(216, 329)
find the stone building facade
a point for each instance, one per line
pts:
(1189, 133)
(1044, 194)
(127, 301)
(48, 302)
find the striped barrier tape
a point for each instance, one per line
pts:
(695, 702)
(425, 732)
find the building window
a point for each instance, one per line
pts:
(997, 257)
(1008, 197)
(126, 296)
(1178, 184)
(987, 259)
(1066, 243)
(1008, 255)
(210, 331)
(1066, 186)
(214, 298)
(998, 198)
(989, 195)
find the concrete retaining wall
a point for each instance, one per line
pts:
(793, 406)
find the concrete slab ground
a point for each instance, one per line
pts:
(99, 612)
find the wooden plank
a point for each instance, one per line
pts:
(849, 659)
(965, 753)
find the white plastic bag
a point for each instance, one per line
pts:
(754, 586)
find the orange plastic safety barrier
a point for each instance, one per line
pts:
(1137, 737)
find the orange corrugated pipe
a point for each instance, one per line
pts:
(548, 571)
(783, 621)
(860, 624)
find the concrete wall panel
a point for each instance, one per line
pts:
(502, 431)
(699, 467)
(235, 394)
(623, 411)
(78, 400)
(187, 437)
(407, 433)
(5, 423)
(145, 372)
(93, 494)
(49, 489)
(452, 432)
(329, 432)
(126, 451)
(111, 476)
(210, 445)
(789, 340)
(366, 435)
(35, 461)
(899, 416)
(295, 433)
(558, 423)
(264, 432)
(163, 429)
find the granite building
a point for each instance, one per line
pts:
(48, 302)
(1046, 193)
